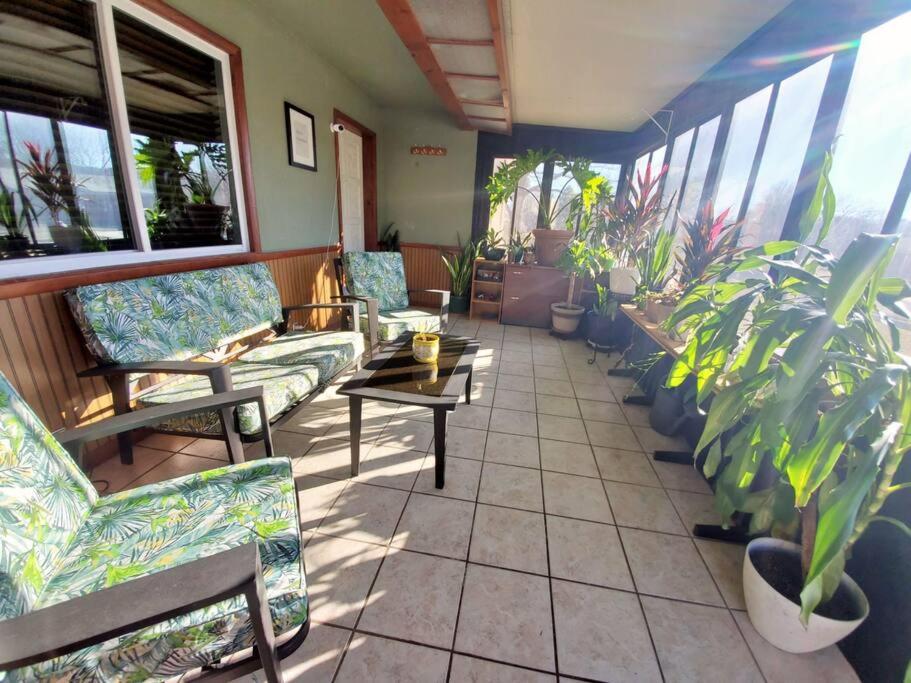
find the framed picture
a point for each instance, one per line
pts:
(301, 128)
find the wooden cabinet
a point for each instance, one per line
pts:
(528, 292)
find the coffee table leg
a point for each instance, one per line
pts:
(439, 445)
(468, 388)
(354, 419)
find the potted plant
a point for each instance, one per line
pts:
(601, 318)
(389, 239)
(204, 214)
(812, 389)
(492, 244)
(12, 221)
(628, 220)
(51, 182)
(518, 247)
(460, 265)
(706, 240)
(579, 259)
(655, 265)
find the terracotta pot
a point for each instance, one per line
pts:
(549, 244)
(777, 618)
(565, 317)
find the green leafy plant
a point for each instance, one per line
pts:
(595, 191)
(518, 245)
(159, 163)
(11, 218)
(389, 239)
(460, 265)
(808, 380)
(90, 241)
(630, 219)
(584, 259)
(157, 221)
(49, 179)
(605, 305)
(707, 240)
(507, 179)
(491, 240)
(655, 262)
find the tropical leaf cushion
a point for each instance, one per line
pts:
(393, 323)
(148, 529)
(44, 500)
(379, 275)
(284, 386)
(175, 316)
(328, 351)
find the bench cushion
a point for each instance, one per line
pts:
(175, 316)
(379, 275)
(147, 529)
(391, 324)
(288, 369)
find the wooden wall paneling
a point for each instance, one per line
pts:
(424, 269)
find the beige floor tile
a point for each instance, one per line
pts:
(557, 405)
(587, 552)
(554, 387)
(652, 441)
(698, 643)
(365, 513)
(562, 429)
(515, 487)
(511, 449)
(612, 435)
(551, 360)
(410, 434)
(505, 616)
(207, 448)
(339, 574)
(556, 372)
(482, 395)
(330, 458)
(636, 415)
(514, 400)
(462, 477)
(524, 382)
(484, 379)
(668, 566)
(291, 444)
(643, 507)
(601, 634)
(166, 442)
(725, 562)
(578, 497)
(315, 419)
(419, 413)
(593, 392)
(315, 661)
(632, 467)
(681, 477)
(583, 373)
(517, 345)
(112, 475)
(472, 670)
(513, 422)
(416, 598)
(569, 458)
(694, 508)
(471, 416)
(601, 411)
(513, 539)
(825, 666)
(371, 428)
(621, 386)
(390, 466)
(370, 658)
(177, 465)
(378, 408)
(462, 442)
(515, 368)
(315, 497)
(513, 355)
(436, 525)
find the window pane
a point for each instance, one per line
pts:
(676, 167)
(699, 166)
(783, 155)
(609, 171)
(874, 133)
(58, 170)
(639, 168)
(176, 109)
(658, 158)
(740, 150)
(562, 190)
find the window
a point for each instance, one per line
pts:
(117, 141)
(655, 158)
(874, 133)
(675, 170)
(740, 151)
(699, 167)
(611, 172)
(784, 152)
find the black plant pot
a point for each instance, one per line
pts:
(667, 415)
(458, 304)
(494, 254)
(600, 331)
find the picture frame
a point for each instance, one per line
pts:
(300, 127)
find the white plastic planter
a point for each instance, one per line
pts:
(624, 280)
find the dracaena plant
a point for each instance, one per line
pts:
(49, 179)
(630, 219)
(707, 240)
(655, 261)
(801, 352)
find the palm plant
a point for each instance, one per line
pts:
(707, 240)
(808, 380)
(460, 265)
(49, 179)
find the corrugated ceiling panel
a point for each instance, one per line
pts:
(466, 19)
(481, 110)
(492, 126)
(469, 89)
(466, 59)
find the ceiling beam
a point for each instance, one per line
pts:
(473, 77)
(499, 48)
(487, 118)
(406, 25)
(462, 42)
(482, 103)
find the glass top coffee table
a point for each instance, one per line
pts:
(394, 376)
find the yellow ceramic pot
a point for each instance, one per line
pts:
(425, 347)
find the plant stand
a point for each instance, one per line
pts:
(486, 283)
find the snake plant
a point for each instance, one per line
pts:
(460, 265)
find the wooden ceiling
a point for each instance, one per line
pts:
(461, 50)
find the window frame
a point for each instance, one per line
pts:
(161, 17)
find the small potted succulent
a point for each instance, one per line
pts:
(460, 265)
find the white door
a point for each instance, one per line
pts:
(351, 185)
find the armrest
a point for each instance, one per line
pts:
(73, 439)
(373, 315)
(445, 294)
(351, 308)
(163, 367)
(69, 626)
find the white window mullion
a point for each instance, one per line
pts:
(110, 56)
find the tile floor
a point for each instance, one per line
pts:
(558, 547)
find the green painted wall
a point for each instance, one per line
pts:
(296, 207)
(428, 198)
